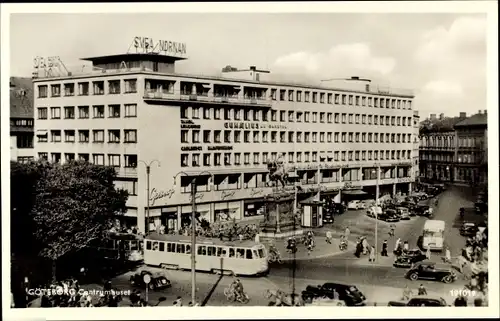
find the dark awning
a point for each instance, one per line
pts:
(355, 192)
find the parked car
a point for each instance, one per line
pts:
(368, 203)
(404, 213)
(353, 205)
(374, 211)
(338, 208)
(389, 215)
(158, 281)
(469, 229)
(423, 210)
(350, 294)
(420, 301)
(429, 271)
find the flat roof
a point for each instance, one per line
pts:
(133, 57)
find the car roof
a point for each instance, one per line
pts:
(339, 285)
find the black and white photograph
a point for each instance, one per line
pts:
(251, 155)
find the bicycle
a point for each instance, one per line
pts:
(274, 256)
(232, 296)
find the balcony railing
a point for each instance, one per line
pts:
(208, 97)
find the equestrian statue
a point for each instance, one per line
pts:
(277, 172)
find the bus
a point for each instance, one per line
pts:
(212, 255)
(125, 246)
(433, 235)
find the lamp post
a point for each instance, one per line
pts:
(377, 192)
(193, 229)
(148, 172)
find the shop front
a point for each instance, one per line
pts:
(253, 208)
(226, 211)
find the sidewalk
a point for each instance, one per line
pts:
(322, 249)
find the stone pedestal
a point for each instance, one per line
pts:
(280, 221)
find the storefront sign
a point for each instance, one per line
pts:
(350, 185)
(220, 148)
(189, 124)
(227, 194)
(155, 195)
(241, 125)
(256, 192)
(197, 197)
(191, 148)
(147, 45)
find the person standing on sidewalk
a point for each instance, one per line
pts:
(447, 255)
(384, 248)
(329, 237)
(372, 255)
(422, 290)
(406, 246)
(347, 232)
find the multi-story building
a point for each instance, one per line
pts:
(21, 119)
(452, 149)
(137, 109)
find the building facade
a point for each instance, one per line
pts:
(21, 120)
(452, 150)
(136, 110)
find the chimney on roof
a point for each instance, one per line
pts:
(441, 116)
(463, 115)
(433, 116)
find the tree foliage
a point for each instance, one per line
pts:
(66, 206)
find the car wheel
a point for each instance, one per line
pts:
(414, 276)
(448, 279)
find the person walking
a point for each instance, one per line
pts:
(397, 244)
(428, 253)
(406, 246)
(422, 290)
(372, 255)
(447, 255)
(347, 232)
(329, 237)
(407, 293)
(384, 248)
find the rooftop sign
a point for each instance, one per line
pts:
(165, 47)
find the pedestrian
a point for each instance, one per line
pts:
(335, 295)
(392, 229)
(428, 253)
(384, 248)
(422, 290)
(178, 302)
(406, 246)
(447, 255)
(240, 236)
(329, 237)
(347, 232)
(372, 255)
(407, 293)
(257, 238)
(397, 244)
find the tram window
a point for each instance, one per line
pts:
(231, 252)
(188, 249)
(155, 246)
(170, 247)
(180, 248)
(249, 254)
(134, 245)
(261, 253)
(148, 245)
(219, 251)
(255, 254)
(240, 253)
(202, 250)
(211, 250)
(162, 247)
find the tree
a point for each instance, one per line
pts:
(74, 204)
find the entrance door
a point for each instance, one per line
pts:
(314, 215)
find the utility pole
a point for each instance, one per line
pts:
(148, 172)
(193, 240)
(377, 192)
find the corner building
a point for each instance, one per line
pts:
(136, 109)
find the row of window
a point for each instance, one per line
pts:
(228, 136)
(294, 116)
(468, 158)
(449, 141)
(130, 161)
(24, 140)
(68, 89)
(114, 111)
(21, 122)
(129, 135)
(227, 159)
(341, 99)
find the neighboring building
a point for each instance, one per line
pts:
(472, 150)
(137, 109)
(452, 148)
(21, 119)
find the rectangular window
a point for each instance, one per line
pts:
(315, 97)
(282, 94)
(329, 137)
(363, 119)
(227, 136)
(206, 136)
(246, 158)
(195, 160)
(369, 101)
(344, 118)
(113, 136)
(206, 159)
(321, 117)
(282, 137)
(314, 117)
(195, 112)
(55, 90)
(98, 136)
(217, 112)
(98, 159)
(256, 158)
(299, 137)
(130, 86)
(114, 111)
(114, 160)
(55, 112)
(290, 95)
(227, 159)
(290, 116)
(69, 136)
(196, 136)
(98, 111)
(237, 136)
(55, 135)
(357, 118)
(42, 91)
(206, 112)
(306, 116)
(114, 87)
(306, 96)
(273, 115)
(69, 89)
(299, 95)
(337, 99)
(130, 110)
(56, 157)
(98, 87)
(290, 137)
(282, 116)
(83, 136)
(237, 158)
(130, 136)
(83, 112)
(314, 137)
(83, 88)
(330, 98)
(322, 98)
(130, 161)
(42, 113)
(375, 102)
(69, 157)
(184, 160)
(273, 94)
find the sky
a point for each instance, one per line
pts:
(440, 56)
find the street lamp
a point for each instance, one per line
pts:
(193, 228)
(148, 172)
(377, 192)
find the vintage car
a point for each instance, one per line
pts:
(423, 210)
(374, 211)
(429, 271)
(157, 281)
(420, 301)
(354, 205)
(404, 213)
(389, 215)
(408, 258)
(469, 229)
(350, 294)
